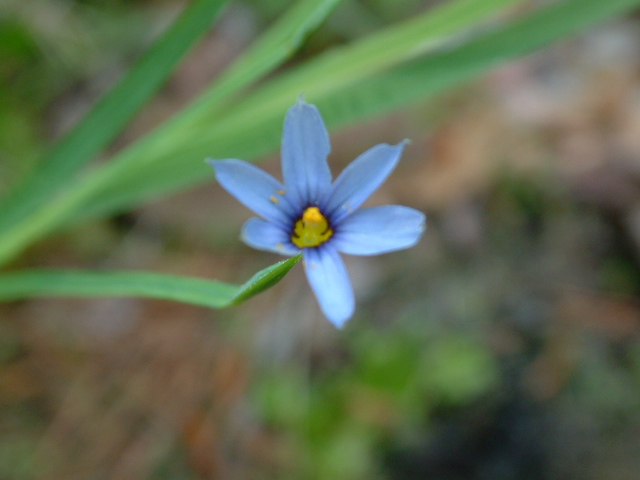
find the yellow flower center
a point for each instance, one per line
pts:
(312, 229)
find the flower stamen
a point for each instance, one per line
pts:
(312, 229)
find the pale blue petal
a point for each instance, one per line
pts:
(360, 179)
(305, 146)
(376, 230)
(254, 188)
(330, 282)
(263, 235)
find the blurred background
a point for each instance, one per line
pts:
(506, 345)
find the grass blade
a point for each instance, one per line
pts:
(259, 116)
(275, 46)
(428, 76)
(195, 291)
(268, 52)
(174, 158)
(264, 279)
(111, 113)
(42, 283)
(330, 72)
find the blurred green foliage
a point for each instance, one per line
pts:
(50, 50)
(340, 420)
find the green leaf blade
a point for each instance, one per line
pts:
(269, 51)
(37, 283)
(258, 116)
(275, 46)
(111, 113)
(172, 159)
(190, 290)
(264, 279)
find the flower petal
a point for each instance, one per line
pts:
(330, 282)
(360, 179)
(254, 188)
(263, 235)
(376, 230)
(305, 146)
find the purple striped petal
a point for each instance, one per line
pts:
(263, 235)
(255, 189)
(305, 146)
(330, 282)
(360, 179)
(376, 230)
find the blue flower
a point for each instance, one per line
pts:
(321, 219)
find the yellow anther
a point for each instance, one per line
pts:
(312, 229)
(274, 199)
(281, 192)
(312, 217)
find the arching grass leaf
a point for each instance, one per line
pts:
(195, 291)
